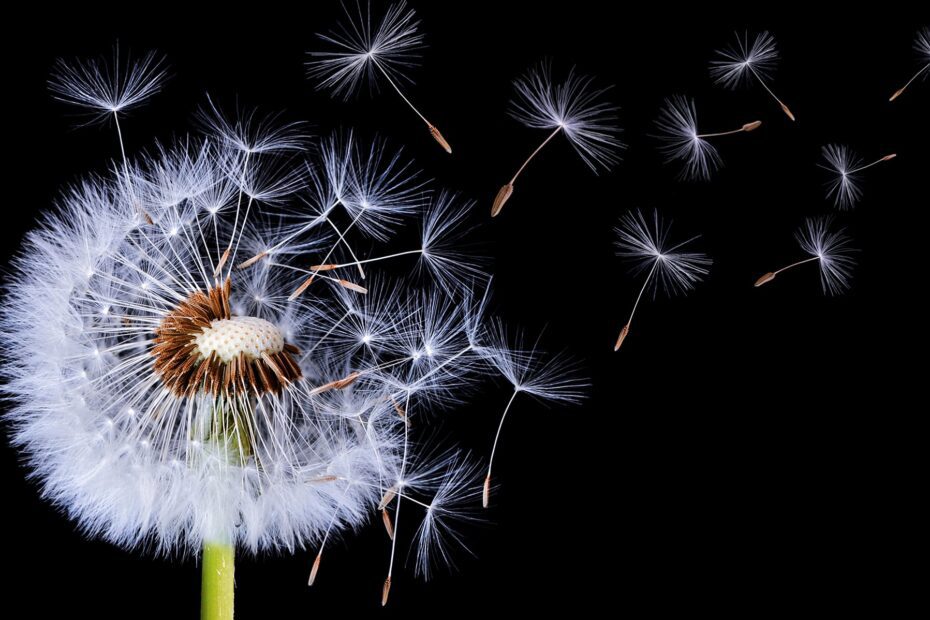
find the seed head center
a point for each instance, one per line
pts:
(247, 335)
(201, 347)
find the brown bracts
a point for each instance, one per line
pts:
(201, 347)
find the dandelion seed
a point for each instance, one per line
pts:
(744, 62)
(315, 569)
(575, 108)
(681, 141)
(832, 249)
(922, 46)
(387, 498)
(104, 88)
(352, 286)
(844, 165)
(385, 591)
(388, 526)
(554, 379)
(645, 244)
(362, 54)
(403, 414)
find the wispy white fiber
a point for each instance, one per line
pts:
(576, 106)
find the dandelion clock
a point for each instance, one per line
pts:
(207, 366)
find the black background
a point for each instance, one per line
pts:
(744, 452)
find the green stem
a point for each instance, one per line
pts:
(217, 585)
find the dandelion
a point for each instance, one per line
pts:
(681, 141)
(844, 165)
(573, 107)
(553, 379)
(171, 398)
(831, 249)
(103, 88)
(645, 244)
(743, 62)
(922, 45)
(363, 53)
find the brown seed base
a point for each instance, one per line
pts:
(185, 371)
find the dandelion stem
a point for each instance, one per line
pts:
(325, 336)
(626, 328)
(768, 277)
(245, 219)
(403, 468)
(342, 239)
(645, 283)
(367, 260)
(901, 90)
(533, 154)
(307, 282)
(784, 108)
(800, 262)
(877, 161)
(218, 581)
(503, 195)
(122, 148)
(747, 127)
(319, 555)
(497, 435)
(432, 128)
(225, 256)
(324, 216)
(399, 92)
(444, 363)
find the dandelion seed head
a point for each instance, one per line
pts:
(162, 406)
(176, 379)
(575, 105)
